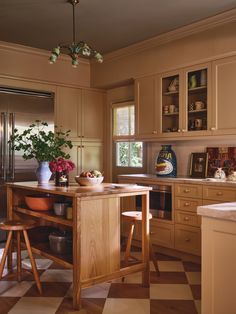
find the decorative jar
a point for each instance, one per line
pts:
(166, 164)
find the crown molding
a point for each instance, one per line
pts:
(184, 31)
(35, 51)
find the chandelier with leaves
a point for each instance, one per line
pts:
(75, 49)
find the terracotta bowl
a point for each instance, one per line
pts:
(88, 181)
(40, 202)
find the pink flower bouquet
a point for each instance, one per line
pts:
(61, 165)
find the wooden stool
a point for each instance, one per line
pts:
(18, 226)
(133, 217)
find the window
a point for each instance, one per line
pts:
(127, 153)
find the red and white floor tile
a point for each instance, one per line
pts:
(176, 291)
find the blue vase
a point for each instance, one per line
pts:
(166, 164)
(43, 172)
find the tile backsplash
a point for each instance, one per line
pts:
(183, 150)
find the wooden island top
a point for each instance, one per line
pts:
(95, 226)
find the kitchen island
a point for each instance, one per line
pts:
(218, 258)
(95, 226)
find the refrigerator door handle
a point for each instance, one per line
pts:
(11, 164)
(3, 139)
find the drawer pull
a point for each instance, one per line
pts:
(219, 193)
(187, 240)
(186, 218)
(186, 190)
(186, 204)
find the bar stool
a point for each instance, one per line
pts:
(18, 226)
(133, 217)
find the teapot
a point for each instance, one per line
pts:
(219, 174)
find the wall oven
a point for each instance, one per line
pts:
(160, 201)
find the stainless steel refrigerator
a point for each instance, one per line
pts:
(18, 109)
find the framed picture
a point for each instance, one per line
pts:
(198, 165)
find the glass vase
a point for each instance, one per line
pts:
(61, 178)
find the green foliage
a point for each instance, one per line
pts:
(36, 142)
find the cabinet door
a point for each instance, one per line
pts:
(197, 100)
(91, 156)
(93, 107)
(224, 96)
(68, 106)
(145, 102)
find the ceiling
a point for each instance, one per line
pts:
(104, 24)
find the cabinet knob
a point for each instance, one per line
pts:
(187, 240)
(186, 218)
(219, 193)
(154, 132)
(186, 190)
(184, 130)
(213, 128)
(186, 204)
(179, 130)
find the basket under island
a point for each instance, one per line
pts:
(95, 226)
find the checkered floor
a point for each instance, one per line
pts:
(176, 291)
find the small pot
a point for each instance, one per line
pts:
(60, 208)
(60, 243)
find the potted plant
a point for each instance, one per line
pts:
(61, 167)
(45, 146)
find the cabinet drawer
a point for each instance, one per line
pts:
(188, 190)
(219, 194)
(187, 204)
(162, 234)
(188, 239)
(187, 218)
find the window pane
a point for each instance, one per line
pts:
(122, 154)
(123, 120)
(129, 154)
(136, 154)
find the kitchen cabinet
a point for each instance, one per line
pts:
(186, 101)
(81, 111)
(224, 96)
(146, 90)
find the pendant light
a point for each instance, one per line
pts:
(75, 49)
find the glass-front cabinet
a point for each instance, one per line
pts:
(185, 102)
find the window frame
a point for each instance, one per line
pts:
(129, 166)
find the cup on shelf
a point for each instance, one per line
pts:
(166, 109)
(198, 124)
(199, 105)
(171, 108)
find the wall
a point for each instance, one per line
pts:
(202, 41)
(29, 64)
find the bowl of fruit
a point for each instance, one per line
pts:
(88, 178)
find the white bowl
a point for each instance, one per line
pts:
(88, 181)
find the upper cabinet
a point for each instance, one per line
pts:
(81, 111)
(185, 102)
(146, 91)
(224, 96)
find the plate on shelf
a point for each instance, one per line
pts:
(123, 186)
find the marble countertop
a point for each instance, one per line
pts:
(224, 211)
(187, 180)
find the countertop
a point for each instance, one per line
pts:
(224, 211)
(187, 180)
(80, 191)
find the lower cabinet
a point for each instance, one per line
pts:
(188, 239)
(162, 234)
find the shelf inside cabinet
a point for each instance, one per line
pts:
(197, 89)
(47, 215)
(171, 114)
(197, 111)
(171, 93)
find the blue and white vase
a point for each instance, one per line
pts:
(166, 164)
(43, 173)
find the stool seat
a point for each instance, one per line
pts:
(134, 215)
(17, 225)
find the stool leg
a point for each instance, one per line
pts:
(129, 243)
(4, 256)
(153, 258)
(33, 264)
(18, 256)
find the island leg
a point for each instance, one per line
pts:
(145, 239)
